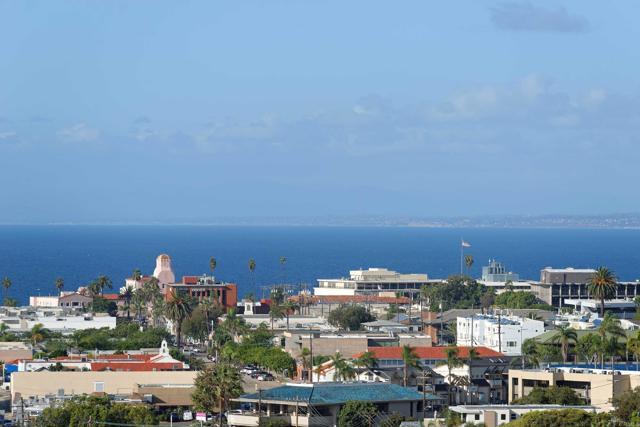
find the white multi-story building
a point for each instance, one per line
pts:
(504, 334)
(374, 281)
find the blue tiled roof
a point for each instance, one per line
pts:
(338, 393)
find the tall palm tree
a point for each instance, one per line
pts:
(178, 310)
(602, 286)
(633, 347)
(609, 326)
(473, 355)
(307, 364)
(59, 285)
(410, 360)
(468, 262)
(276, 312)
(104, 282)
(564, 335)
(283, 262)
(207, 305)
(252, 270)
(213, 263)
(234, 325)
(127, 294)
(288, 307)
(6, 284)
(452, 361)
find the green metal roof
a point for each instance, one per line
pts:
(338, 393)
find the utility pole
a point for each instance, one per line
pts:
(499, 333)
(310, 356)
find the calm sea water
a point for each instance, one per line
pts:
(33, 256)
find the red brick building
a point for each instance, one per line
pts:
(201, 287)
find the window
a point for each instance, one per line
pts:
(98, 387)
(503, 417)
(476, 417)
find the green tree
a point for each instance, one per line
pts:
(288, 307)
(609, 327)
(136, 275)
(81, 411)
(6, 284)
(587, 347)
(602, 286)
(557, 418)
(213, 263)
(553, 395)
(410, 360)
(178, 309)
(38, 333)
(196, 326)
(215, 386)
(627, 404)
(103, 282)
(468, 262)
(276, 312)
(252, 270)
(59, 285)
(357, 414)
(456, 292)
(366, 360)
(342, 369)
(452, 361)
(564, 336)
(127, 294)
(349, 317)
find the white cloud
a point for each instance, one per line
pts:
(79, 133)
(8, 134)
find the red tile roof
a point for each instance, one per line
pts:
(111, 297)
(436, 353)
(109, 357)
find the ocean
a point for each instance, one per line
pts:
(34, 256)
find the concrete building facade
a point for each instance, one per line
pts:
(504, 334)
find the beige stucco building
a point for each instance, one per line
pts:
(596, 386)
(110, 382)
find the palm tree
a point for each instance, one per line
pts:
(59, 285)
(283, 262)
(587, 346)
(234, 325)
(207, 305)
(612, 347)
(178, 310)
(602, 286)
(610, 326)
(366, 360)
(468, 261)
(103, 282)
(276, 312)
(213, 263)
(136, 275)
(452, 361)
(252, 268)
(127, 294)
(288, 307)
(341, 368)
(138, 303)
(530, 353)
(228, 385)
(473, 355)
(37, 333)
(633, 348)
(6, 284)
(305, 355)
(410, 360)
(564, 335)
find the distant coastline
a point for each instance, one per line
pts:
(610, 221)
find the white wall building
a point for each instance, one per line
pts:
(374, 281)
(484, 330)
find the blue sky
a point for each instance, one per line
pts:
(152, 110)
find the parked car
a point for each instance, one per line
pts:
(265, 376)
